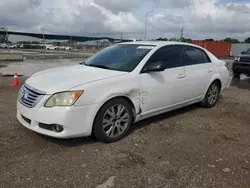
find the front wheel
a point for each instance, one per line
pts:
(212, 95)
(113, 120)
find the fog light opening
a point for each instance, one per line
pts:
(57, 128)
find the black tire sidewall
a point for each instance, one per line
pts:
(97, 127)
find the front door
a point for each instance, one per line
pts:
(160, 90)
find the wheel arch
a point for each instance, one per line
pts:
(204, 102)
(214, 78)
(218, 81)
(126, 98)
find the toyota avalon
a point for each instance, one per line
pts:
(119, 86)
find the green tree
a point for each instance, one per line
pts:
(231, 40)
(174, 39)
(24, 42)
(247, 40)
(162, 39)
(3, 39)
(186, 40)
(209, 39)
(35, 42)
(56, 43)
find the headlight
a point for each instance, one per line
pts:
(237, 59)
(67, 98)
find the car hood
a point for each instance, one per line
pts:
(67, 77)
(244, 55)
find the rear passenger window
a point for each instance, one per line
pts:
(170, 55)
(195, 56)
(207, 59)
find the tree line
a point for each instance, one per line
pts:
(228, 39)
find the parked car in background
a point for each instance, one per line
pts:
(67, 48)
(64, 48)
(241, 63)
(60, 48)
(3, 45)
(12, 46)
(118, 86)
(51, 47)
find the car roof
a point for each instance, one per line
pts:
(160, 43)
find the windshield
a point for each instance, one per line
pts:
(120, 57)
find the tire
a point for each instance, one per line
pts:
(212, 95)
(109, 126)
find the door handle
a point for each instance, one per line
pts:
(209, 71)
(181, 76)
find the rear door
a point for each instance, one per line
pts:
(160, 90)
(199, 71)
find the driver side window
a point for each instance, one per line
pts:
(170, 55)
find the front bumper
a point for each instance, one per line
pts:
(76, 121)
(241, 67)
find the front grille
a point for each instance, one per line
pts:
(245, 59)
(29, 96)
(244, 65)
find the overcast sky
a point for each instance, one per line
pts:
(200, 18)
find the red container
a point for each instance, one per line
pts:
(217, 48)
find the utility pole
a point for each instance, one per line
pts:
(98, 40)
(146, 24)
(121, 36)
(44, 47)
(181, 39)
(7, 38)
(70, 44)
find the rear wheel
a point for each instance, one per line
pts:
(212, 95)
(113, 120)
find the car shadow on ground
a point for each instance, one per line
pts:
(70, 142)
(241, 84)
(164, 116)
(74, 142)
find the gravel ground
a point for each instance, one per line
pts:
(191, 147)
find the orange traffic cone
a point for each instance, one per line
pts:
(15, 80)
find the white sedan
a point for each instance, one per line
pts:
(51, 47)
(118, 86)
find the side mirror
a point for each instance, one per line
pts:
(243, 52)
(154, 67)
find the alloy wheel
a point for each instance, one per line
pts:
(213, 94)
(115, 120)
